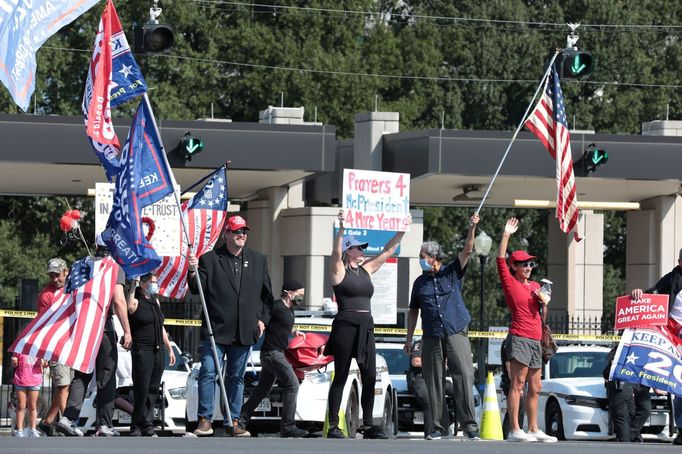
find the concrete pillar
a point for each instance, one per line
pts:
(577, 268)
(653, 241)
(263, 218)
(369, 129)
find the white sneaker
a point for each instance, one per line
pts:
(542, 437)
(33, 433)
(18, 433)
(520, 436)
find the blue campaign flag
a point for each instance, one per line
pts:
(650, 356)
(150, 176)
(127, 81)
(24, 27)
(144, 178)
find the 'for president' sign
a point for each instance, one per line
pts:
(376, 200)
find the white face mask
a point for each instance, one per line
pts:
(153, 288)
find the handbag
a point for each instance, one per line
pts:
(549, 347)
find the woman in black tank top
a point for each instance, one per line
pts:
(149, 339)
(352, 334)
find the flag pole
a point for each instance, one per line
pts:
(221, 381)
(518, 128)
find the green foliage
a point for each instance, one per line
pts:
(30, 236)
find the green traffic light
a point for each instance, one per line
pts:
(576, 63)
(577, 67)
(191, 146)
(599, 156)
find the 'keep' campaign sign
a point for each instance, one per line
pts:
(649, 310)
(376, 200)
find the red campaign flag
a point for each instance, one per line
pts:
(649, 310)
(548, 122)
(70, 330)
(205, 215)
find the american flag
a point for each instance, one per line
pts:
(548, 123)
(70, 331)
(205, 214)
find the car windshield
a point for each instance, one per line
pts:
(396, 360)
(577, 364)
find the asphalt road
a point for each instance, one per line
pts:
(92, 445)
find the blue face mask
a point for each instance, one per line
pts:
(425, 265)
(153, 288)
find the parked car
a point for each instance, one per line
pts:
(169, 414)
(311, 406)
(409, 417)
(573, 403)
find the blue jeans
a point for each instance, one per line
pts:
(235, 366)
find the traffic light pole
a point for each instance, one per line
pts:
(209, 329)
(518, 128)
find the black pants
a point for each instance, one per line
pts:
(105, 371)
(274, 366)
(416, 385)
(630, 406)
(147, 371)
(344, 352)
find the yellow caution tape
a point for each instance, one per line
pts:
(377, 330)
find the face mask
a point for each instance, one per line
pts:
(153, 288)
(425, 265)
(298, 300)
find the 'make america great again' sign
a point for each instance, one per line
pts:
(649, 310)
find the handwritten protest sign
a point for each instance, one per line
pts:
(650, 310)
(376, 200)
(164, 213)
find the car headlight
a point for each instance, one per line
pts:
(177, 393)
(583, 401)
(316, 377)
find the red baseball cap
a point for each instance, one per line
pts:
(236, 223)
(520, 256)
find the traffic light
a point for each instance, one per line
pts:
(592, 158)
(153, 38)
(190, 145)
(575, 63)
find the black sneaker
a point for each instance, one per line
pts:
(678, 438)
(335, 432)
(294, 432)
(136, 432)
(48, 429)
(473, 435)
(375, 433)
(435, 435)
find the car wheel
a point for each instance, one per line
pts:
(387, 422)
(352, 413)
(554, 420)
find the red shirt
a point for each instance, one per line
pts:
(524, 307)
(46, 297)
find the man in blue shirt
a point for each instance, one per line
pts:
(437, 293)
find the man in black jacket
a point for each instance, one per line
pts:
(236, 286)
(670, 284)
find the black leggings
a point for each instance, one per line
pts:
(344, 350)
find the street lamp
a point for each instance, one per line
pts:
(482, 245)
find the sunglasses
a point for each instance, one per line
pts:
(357, 248)
(240, 232)
(526, 264)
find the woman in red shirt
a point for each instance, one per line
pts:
(524, 349)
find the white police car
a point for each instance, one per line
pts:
(311, 406)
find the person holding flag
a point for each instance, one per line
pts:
(238, 294)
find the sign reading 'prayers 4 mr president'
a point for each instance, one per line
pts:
(376, 200)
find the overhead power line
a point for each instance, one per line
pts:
(384, 14)
(379, 75)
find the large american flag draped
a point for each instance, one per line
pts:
(548, 122)
(70, 331)
(205, 214)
